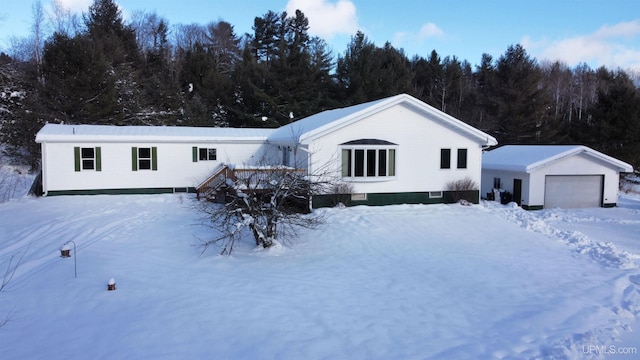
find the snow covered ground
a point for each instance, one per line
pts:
(397, 282)
(15, 181)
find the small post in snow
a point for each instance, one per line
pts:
(65, 253)
(111, 285)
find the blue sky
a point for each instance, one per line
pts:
(596, 32)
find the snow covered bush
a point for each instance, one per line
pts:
(629, 183)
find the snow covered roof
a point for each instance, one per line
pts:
(318, 125)
(525, 158)
(111, 133)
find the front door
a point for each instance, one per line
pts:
(517, 191)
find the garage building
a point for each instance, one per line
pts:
(553, 176)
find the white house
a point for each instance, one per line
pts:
(550, 176)
(393, 150)
(103, 159)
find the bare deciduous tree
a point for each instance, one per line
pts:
(268, 202)
(37, 29)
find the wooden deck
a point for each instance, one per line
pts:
(250, 178)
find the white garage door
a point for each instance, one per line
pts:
(573, 191)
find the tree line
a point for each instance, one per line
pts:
(99, 69)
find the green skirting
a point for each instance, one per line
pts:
(142, 191)
(532, 207)
(380, 199)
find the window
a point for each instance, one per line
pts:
(359, 163)
(462, 158)
(435, 194)
(285, 155)
(445, 158)
(87, 158)
(497, 184)
(382, 163)
(346, 162)
(368, 158)
(204, 154)
(207, 154)
(144, 158)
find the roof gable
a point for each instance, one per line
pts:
(315, 126)
(526, 158)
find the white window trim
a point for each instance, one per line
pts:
(93, 159)
(366, 178)
(207, 150)
(435, 194)
(141, 159)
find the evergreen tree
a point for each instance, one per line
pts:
(22, 112)
(160, 91)
(450, 85)
(615, 125)
(355, 69)
(521, 98)
(79, 88)
(109, 34)
(485, 104)
(394, 75)
(286, 74)
(427, 76)
(251, 103)
(369, 73)
(207, 88)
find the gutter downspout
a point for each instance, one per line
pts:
(43, 163)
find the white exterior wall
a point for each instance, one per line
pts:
(419, 142)
(176, 168)
(506, 177)
(580, 164)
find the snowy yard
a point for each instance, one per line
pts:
(396, 282)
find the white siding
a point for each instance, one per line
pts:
(419, 141)
(580, 164)
(506, 177)
(175, 165)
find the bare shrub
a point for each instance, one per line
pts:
(9, 273)
(462, 189)
(341, 193)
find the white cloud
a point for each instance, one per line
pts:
(430, 30)
(327, 19)
(608, 46)
(623, 29)
(75, 6)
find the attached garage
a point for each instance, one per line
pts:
(553, 176)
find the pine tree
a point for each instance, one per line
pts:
(78, 85)
(615, 125)
(521, 98)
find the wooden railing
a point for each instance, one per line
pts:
(250, 177)
(215, 181)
